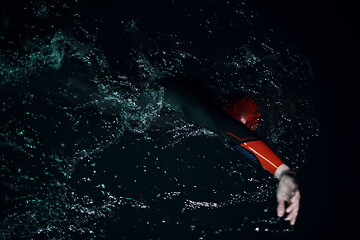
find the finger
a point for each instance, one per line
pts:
(294, 206)
(281, 208)
(293, 221)
(291, 207)
(296, 196)
(292, 216)
(295, 202)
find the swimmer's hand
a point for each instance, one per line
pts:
(287, 191)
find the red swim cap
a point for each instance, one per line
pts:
(245, 110)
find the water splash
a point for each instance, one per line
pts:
(69, 100)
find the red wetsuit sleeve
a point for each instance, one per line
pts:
(266, 156)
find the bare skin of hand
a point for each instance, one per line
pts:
(288, 191)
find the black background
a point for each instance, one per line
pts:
(327, 32)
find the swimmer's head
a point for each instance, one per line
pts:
(245, 110)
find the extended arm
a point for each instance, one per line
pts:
(183, 100)
(217, 120)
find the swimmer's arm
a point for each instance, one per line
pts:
(220, 122)
(231, 130)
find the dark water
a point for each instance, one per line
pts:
(88, 150)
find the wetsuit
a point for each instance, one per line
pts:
(201, 111)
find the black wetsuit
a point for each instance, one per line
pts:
(199, 109)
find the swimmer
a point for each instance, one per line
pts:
(235, 125)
